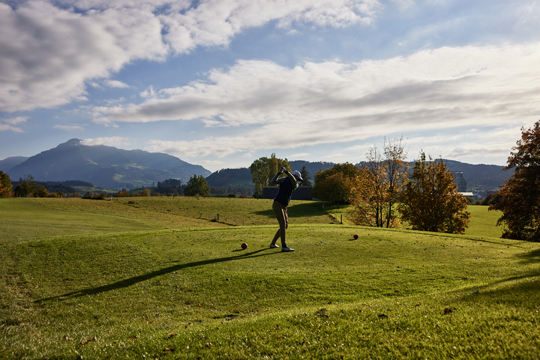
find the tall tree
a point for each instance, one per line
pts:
(5, 185)
(430, 201)
(263, 170)
(376, 191)
(197, 185)
(519, 197)
(335, 184)
(305, 176)
(26, 186)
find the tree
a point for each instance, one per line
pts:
(26, 186)
(145, 192)
(123, 193)
(40, 191)
(263, 170)
(197, 186)
(519, 197)
(335, 184)
(376, 190)
(305, 176)
(430, 201)
(5, 185)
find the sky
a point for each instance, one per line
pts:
(220, 83)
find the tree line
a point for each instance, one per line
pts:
(383, 192)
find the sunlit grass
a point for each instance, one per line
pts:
(193, 293)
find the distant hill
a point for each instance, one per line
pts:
(105, 166)
(10, 162)
(230, 177)
(484, 176)
(242, 176)
(311, 167)
(476, 176)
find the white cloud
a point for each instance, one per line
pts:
(116, 84)
(10, 124)
(49, 53)
(215, 22)
(73, 127)
(316, 103)
(110, 141)
(148, 93)
(298, 156)
(16, 120)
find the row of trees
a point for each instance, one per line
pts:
(383, 192)
(27, 186)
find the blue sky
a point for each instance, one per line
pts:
(221, 83)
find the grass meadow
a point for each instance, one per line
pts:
(163, 278)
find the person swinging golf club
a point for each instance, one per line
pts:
(287, 185)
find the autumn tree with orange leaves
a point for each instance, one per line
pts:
(519, 197)
(430, 201)
(335, 184)
(376, 190)
(5, 185)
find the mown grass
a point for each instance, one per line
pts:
(483, 222)
(192, 293)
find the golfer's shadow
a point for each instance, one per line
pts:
(137, 279)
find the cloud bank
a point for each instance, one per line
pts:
(109, 141)
(50, 52)
(316, 103)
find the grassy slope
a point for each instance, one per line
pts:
(188, 293)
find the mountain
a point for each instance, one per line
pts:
(230, 177)
(10, 162)
(311, 167)
(105, 166)
(482, 176)
(479, 176)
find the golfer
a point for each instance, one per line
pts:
(287, 185)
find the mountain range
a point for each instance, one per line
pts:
(103, 166)
(486, 177)
(112, 168)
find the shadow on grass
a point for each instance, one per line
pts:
(531, 257)
(516, 291)
(137, 279)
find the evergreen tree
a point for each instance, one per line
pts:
(305, 177)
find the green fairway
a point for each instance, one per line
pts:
(160, 291)
(25, 219)
(483, 222)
